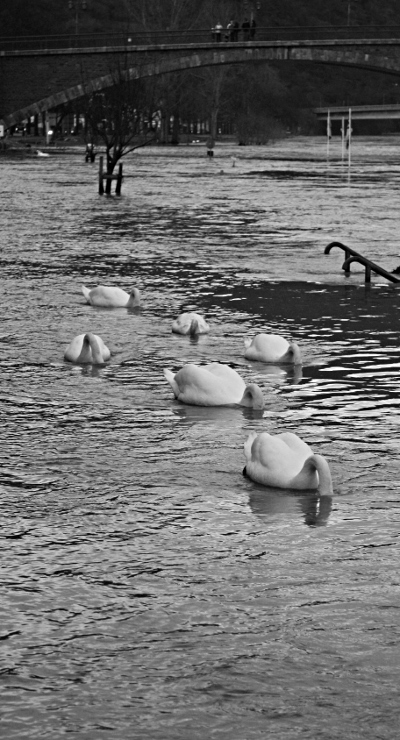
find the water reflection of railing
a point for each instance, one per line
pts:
(133, 38)
(352, 256)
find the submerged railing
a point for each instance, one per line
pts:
(352, 256)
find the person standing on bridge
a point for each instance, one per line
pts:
(246, 29)
(253, 27)
(231, 30)
(218, 31)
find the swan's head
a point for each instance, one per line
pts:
(253, 397)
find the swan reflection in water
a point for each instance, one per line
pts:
(91, 371)
(289, 373)
(232, 415)
(268, 503)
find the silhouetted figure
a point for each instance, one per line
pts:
(246, 29)
(210, 146)
(231, 30)
(90, 154)
(253, 30)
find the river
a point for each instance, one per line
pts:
(148, 589)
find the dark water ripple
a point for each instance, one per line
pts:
(149, 589)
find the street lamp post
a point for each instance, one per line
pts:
(253, 5)
(349, 9)
(77, 5)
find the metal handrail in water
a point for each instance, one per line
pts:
(352, 256)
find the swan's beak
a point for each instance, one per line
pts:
(244, 471)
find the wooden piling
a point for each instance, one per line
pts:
(101, 185)
(119, 181)
(109, 178)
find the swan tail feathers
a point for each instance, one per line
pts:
(86, 293)
(248, 445)
(170, 377)
(247, 342)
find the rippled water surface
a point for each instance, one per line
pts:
(148, 589)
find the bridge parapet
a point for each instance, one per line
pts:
(159, 39)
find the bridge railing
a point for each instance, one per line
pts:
(195, 37)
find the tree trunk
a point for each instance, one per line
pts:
(164, 127)
(213, 123)
(111, 162)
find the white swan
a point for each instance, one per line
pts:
(109, 297)
(87, 348)
(285, 461)
(190, 323)
(272, 348)
(213, 385)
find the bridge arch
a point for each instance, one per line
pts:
(372, 55)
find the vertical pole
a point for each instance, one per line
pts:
(47, 127)
(349, 131)
(343, 132)
(328, 133)
(41, 124)
(119, 181)
(101, 186)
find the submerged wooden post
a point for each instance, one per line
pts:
(119, 181)
(101, 186)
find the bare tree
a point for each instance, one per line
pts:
(123, 117)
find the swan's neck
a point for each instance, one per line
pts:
(134, 298)
(194, 328)
(253, 397)
(295, 353)
(324, 474)
(91, 345)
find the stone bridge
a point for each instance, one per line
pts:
(33, 81)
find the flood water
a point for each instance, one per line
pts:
(148, 589)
